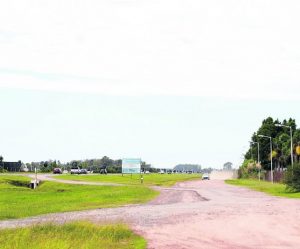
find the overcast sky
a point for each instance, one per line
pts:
(169, 81)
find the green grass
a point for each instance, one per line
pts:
(149, 179)
(80, 235)
(17, 200)
(276, 189)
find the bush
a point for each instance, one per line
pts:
(292, 178)
(3, 170)
(249, 169)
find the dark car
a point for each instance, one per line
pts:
(57, 171)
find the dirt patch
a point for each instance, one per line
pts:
(171, 196)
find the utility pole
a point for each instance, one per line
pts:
(271, 150)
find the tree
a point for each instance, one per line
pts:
(1, 164)
(280, 140)
(292, 178)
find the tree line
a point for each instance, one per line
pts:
(95, 165)
(281, 146)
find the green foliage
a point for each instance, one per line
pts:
(95, 165)
(249, 169)
(79, 235)
(47, 166)
(276, 189)
(292, 178)
(17, 200)
(1, 165)
(280, 140)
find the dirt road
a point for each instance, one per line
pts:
(50, 177)
(201, 214)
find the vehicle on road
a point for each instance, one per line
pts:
(205, 176)
(75, 170)
(57, 171)
(83, 171)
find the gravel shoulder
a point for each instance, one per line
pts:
(200, 214)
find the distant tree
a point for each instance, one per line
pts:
(1, 164)
(74, 164)
(84, 164)
(111, 166)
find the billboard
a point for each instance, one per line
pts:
(131, 166)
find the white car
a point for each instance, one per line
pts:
(75, 170)
(205, 176)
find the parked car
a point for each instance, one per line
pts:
(83, 171)
(57, 171)
(75, 170)
(205, 176)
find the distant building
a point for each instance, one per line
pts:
(188, 167)
(12, 166)
(227, 166)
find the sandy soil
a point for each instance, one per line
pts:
(201, 214)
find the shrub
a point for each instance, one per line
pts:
(292, 178)
(249, 169)
(3, 170)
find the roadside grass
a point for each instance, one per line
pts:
(276, 189)
(17, 200)
(149, 179)
(80, 235)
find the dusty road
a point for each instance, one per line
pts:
(50, 177)
(201, 214)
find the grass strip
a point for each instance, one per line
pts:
(17, 200)
(80, 235)
(276, 189)
(166, 180)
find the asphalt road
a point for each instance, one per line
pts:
(201, 214)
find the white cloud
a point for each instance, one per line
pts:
(244, 49)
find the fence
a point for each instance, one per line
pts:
(278, 175)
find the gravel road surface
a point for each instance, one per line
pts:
(201, 214)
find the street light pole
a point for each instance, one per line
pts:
(291, 134)
(251, 149)
(292, 157)
(271, 150)
(258, 161)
